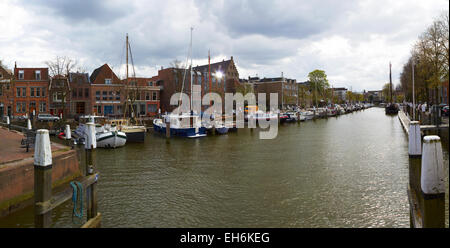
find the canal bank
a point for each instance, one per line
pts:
(346, 171)
(17, 171)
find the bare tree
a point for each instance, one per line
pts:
(59, 70)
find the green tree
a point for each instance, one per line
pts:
(318, 83)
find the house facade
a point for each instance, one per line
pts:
(59, 96)
(80, 96)
(106, 93)
(143, 95)
(285, 88)
(30, 91)
(6, 92)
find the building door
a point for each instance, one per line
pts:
(108, 110)
(80, 108)
(9, 111)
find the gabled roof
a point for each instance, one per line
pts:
(223, 66)
(96, 72)
(79, 76)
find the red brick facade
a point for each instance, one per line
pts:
(30, 91)
(6, 92)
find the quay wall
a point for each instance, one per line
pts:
(17, 179)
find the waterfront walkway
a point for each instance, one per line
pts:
(11, 150)
(404, 120)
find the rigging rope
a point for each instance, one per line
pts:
(77, 199)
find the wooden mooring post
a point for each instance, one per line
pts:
(432, 183)
(91, 191)
(8, 123)
(45, 202)
(42, 177)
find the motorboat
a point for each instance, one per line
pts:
(106, 135)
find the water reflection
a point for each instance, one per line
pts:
(347, 171)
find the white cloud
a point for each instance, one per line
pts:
(353, 41)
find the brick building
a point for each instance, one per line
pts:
(59, 95)
(224, 79)
(30, 91)
(145, 95)
(287, 90)
(106, 93)
(80, 96)
(6, 91)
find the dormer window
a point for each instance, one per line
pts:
(38, 75)
(21, 74)
(107, 81)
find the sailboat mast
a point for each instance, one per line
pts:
(127, 56)
(209, 71)
(192, 83)
(390, 81)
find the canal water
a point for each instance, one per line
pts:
(346, 171)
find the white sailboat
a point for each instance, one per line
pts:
(182, 124)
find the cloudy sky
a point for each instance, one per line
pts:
(352, 41)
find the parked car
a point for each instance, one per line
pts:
(445, 111)
(47, 117)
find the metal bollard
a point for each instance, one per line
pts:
(42, 176)
(433, 183)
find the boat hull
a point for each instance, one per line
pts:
(138, 137)
(182, 132)
(111, 139)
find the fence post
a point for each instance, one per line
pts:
(8, 123)
(42, 176)
(91, 191)
(432, 183)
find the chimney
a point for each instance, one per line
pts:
(15, 64)
(231, 57)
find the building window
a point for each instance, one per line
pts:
(38, 75)
(147, 96)
(57, 97)
(110, 95)
(21, 107)
(21, 91)
(105, 97)
(86, 92)
(1, 75)
(117, 95)
(151, 108)
(142, 109)
(107, 81)
(99, 109)
(21, 74)
(42, 106)
(150, 83)
(154, 96)
(38, 91)
(80, 92)
(74, 93)
(32, 91)
(97, 95)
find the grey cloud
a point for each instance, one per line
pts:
(101, 12)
